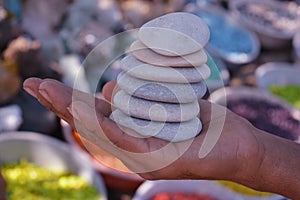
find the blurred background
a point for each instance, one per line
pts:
(254, 44)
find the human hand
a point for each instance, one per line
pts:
(219, 152)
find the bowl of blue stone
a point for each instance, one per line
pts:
(229, 41)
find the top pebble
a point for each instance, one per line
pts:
(171, 35)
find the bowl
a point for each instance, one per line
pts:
(203, 187)
(229, 40)
(115, 174)
(264, 110)
(49, 153)
(296, 46)
(219, 76)
(276, 73)
(275, 22)
(280, 79)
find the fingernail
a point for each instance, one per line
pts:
(30, 91)
(45, 95)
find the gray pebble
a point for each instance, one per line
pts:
(145, 54)
(150, 72)
(175, 34)
(159, 91)
(155, 111)
(170, 131)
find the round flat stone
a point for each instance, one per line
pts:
(143, 53)
(150, 72)
(175, 34)
(170, 131)
(159, 91)
(155, 111)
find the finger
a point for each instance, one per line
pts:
(58, 97)
(109, 90)
(97, 128)
(31, 85)
(211, 111)
(57, 103)
(205, 111)
(140, 155)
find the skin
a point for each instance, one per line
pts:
(242, 153)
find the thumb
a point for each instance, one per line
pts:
(109, 89)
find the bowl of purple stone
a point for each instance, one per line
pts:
(262, 109)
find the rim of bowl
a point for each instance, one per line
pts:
(270, 67)
(195, 186)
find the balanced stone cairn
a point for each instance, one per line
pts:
(163, 77)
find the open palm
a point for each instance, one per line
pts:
(217, 153)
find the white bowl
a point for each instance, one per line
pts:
(50, 153)
(212, 188)
(276, 73)
(270, 38)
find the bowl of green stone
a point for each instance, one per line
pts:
(39, 167)
(281, 79)
(219, 76)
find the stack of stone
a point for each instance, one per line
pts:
(163, 77)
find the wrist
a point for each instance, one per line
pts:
(241, 158)
(250, 165)
(275, 167)
(250, 159)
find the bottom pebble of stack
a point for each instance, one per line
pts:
(169, 131)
